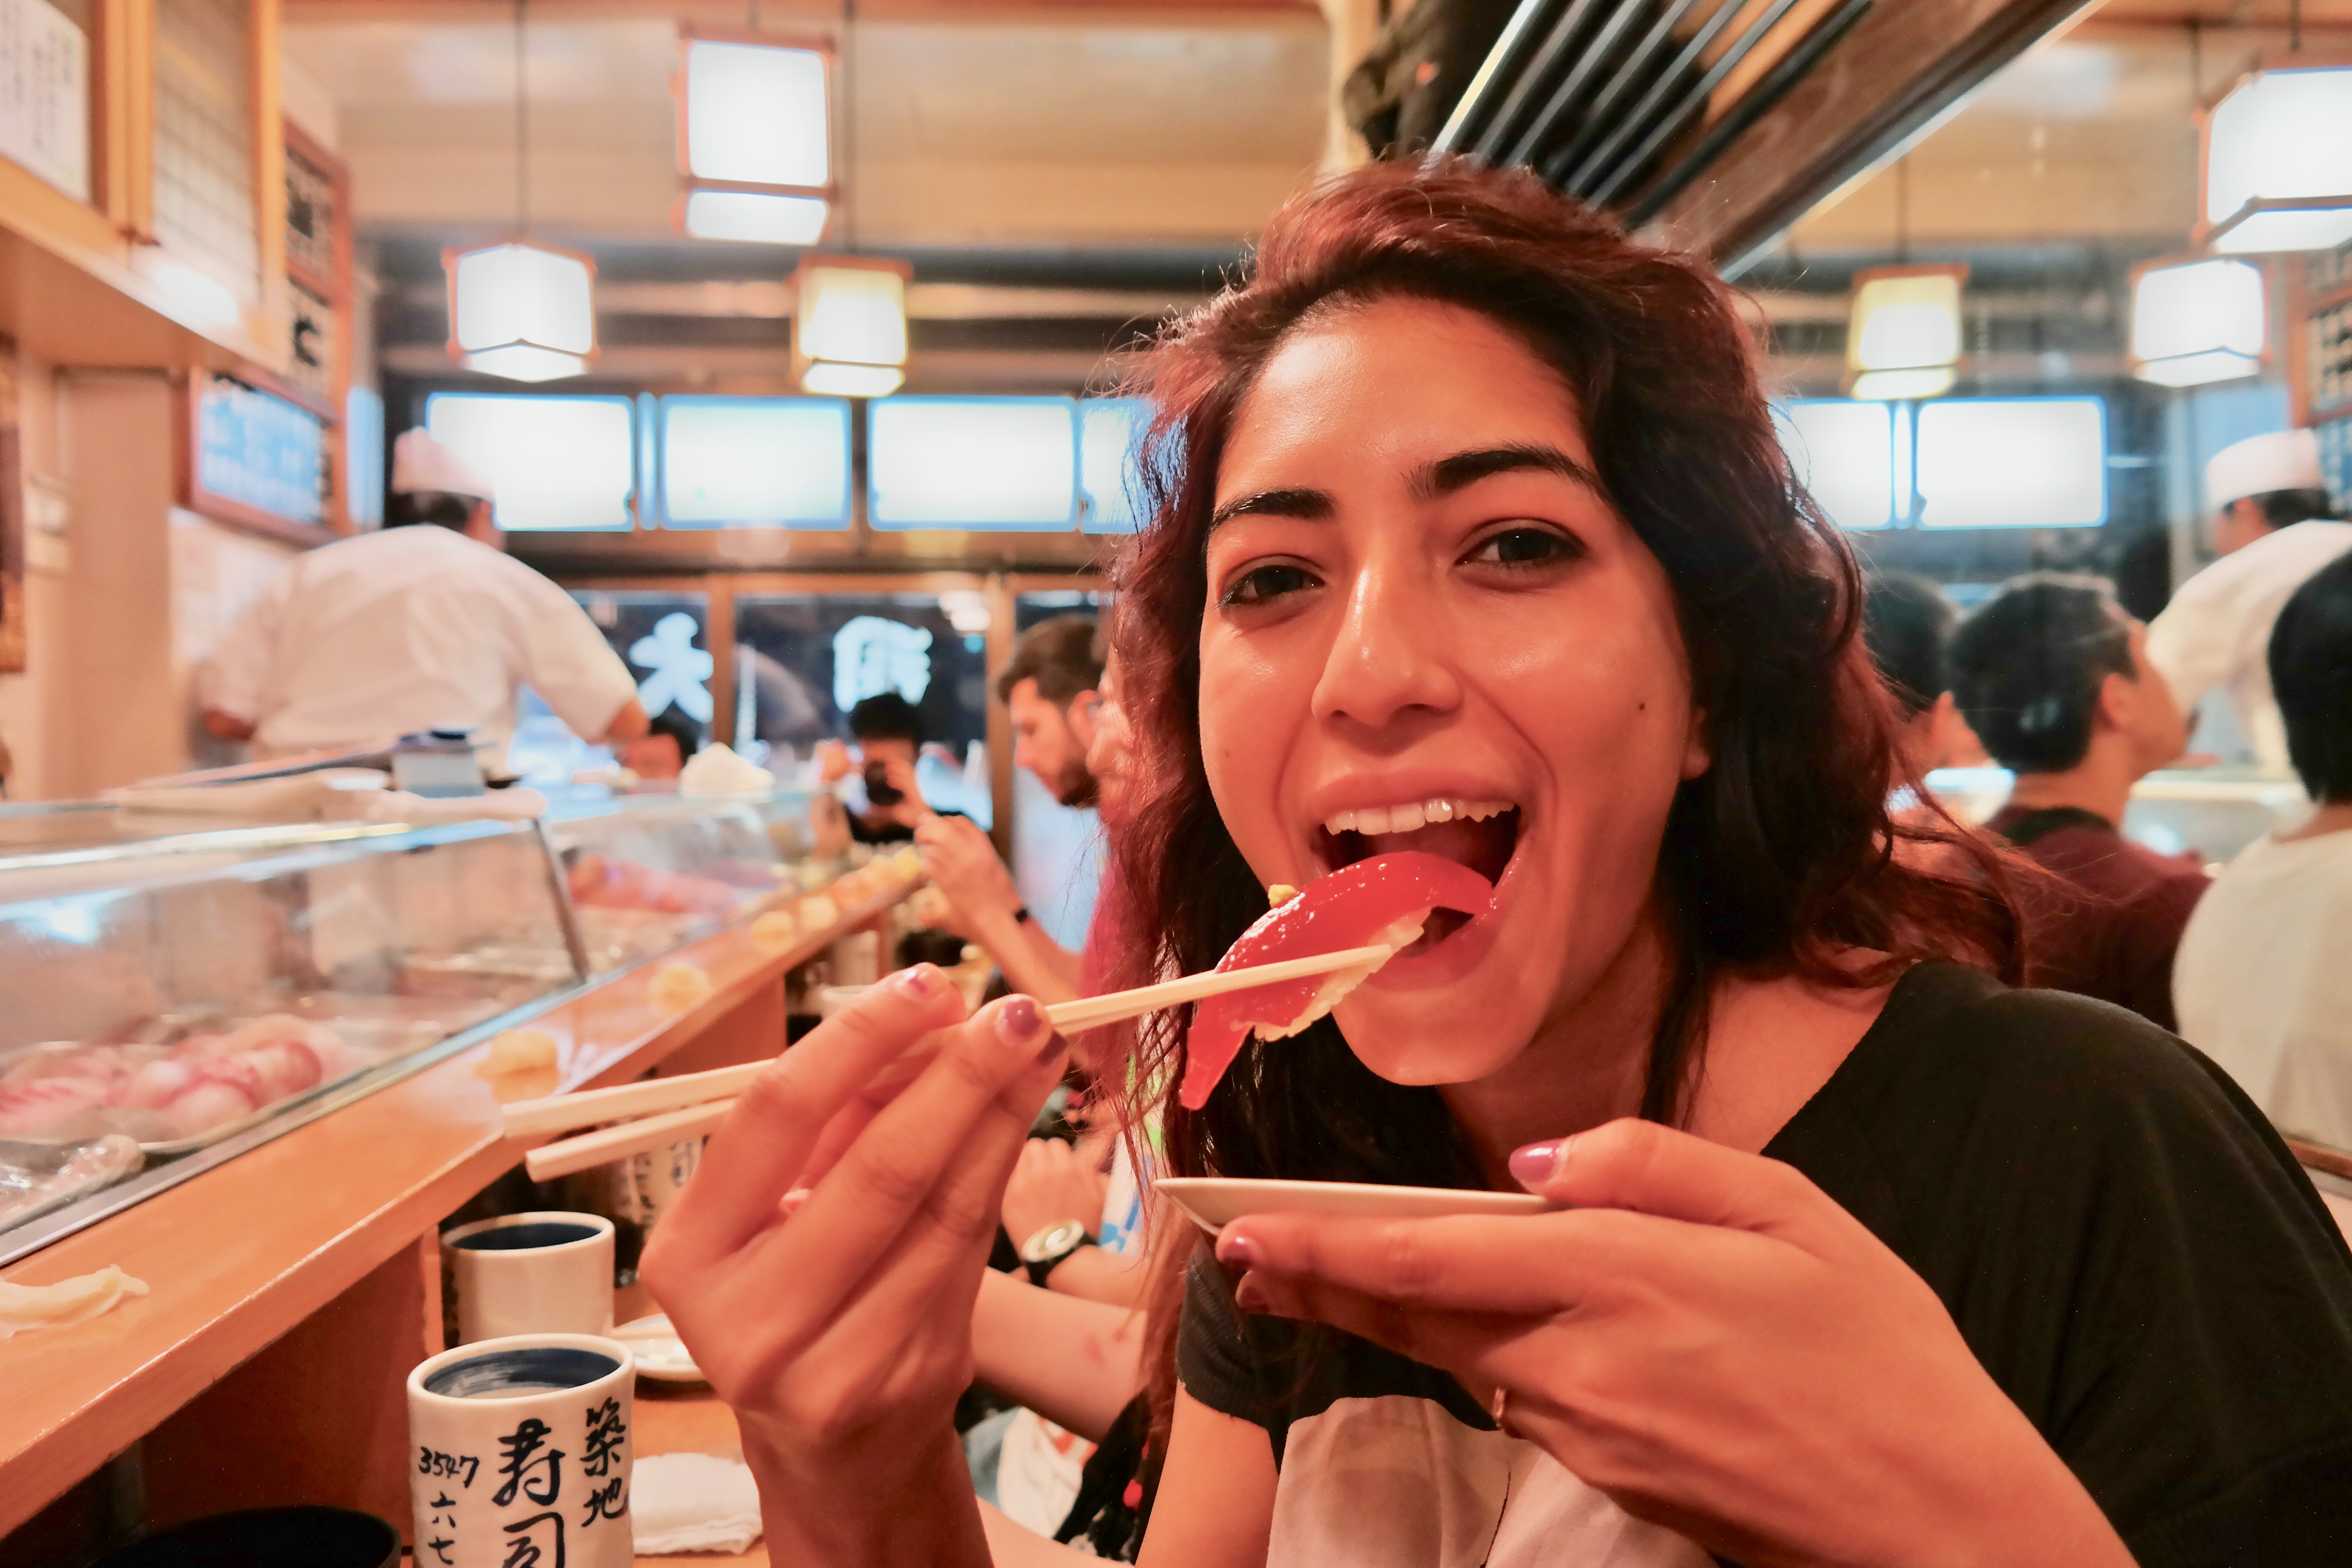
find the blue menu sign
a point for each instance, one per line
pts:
(260, 451)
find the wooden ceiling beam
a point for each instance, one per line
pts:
(1899, 67)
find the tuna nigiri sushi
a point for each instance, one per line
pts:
(1382, 901)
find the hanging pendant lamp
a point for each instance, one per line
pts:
(2197, 321)
(755, 137)
(849, 325)
(1904, 339)
(2277, 162)
(518, 308)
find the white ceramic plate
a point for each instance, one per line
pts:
(660, 1353)
(1214, 1202)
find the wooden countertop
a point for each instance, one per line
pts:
(237, 1256)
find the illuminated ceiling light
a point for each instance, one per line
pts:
(517, 309)
(1903, 339)
(852, 380)
(2196, 321)
(849, 325)
(2278, 163)
(759, 216)
(755, 137)
(520, 310)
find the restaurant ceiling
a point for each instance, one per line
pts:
(2089, 138)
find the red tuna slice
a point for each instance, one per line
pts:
(1353, 907)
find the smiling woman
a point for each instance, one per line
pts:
(1473, 539)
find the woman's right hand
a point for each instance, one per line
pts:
(823, 1264)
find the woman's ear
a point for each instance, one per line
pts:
(1696, 757)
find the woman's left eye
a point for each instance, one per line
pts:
(1526, 546)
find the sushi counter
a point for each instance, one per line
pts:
(253, 1067)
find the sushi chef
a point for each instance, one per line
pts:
(2275, 528)
(428, 623)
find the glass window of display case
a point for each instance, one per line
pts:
(175, 992)
(650, 871)
(805, 660)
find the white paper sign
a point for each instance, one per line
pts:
(44, 94)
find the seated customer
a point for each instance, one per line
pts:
(2055, 680)
(884, 802)
(670, 738)
(1907, 622)
(2261, 982)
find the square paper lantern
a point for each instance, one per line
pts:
(849, 325)
(755, 137)
(521, 310)
(1904, 339)
(2278, 163)
(2195, 321)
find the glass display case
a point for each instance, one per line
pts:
(182, 989)
(650, 869)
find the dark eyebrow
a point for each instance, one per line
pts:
(1463, 470)
(1312, 506)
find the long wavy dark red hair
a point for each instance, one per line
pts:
(1782, 857)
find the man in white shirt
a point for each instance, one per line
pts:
(2274, 526)
(426, 625)
(2260, 983)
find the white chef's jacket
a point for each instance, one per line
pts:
(2216, 630)
(2260, 984)
(412, 628)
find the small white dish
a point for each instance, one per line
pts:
(1214, 1202)
(661, 1354)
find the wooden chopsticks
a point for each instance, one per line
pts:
(673, 1108)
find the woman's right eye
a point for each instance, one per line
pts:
(1261, 584)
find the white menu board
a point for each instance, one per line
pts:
(44, 94)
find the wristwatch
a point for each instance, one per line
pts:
(1044, 1251)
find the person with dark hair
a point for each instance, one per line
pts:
(1907, 620)
(885, 802)
(1472, 536)
(2274, 526)
(426, 625)
(661, 753)
(2055, 679)
(2261, 983)
(1052, 689)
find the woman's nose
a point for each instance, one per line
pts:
(1387, 656)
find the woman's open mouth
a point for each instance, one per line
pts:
(1481, 834)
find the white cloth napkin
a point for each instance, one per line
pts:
(693, 1502)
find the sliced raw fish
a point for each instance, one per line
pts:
(1384, 900)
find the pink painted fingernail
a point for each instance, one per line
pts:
(1237, 1251)
(1248, 1295)
(920, 982)
(1537, 1163)
(1016, 1021)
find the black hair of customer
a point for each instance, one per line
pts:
(2026, 666)
(2311, 673)
(672, 721)
(1907, 620)
(1064, 656)
(446, 508)
(2282, 508)
(885, 716)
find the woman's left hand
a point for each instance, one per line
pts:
(1712, 1341)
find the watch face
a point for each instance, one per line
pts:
(1054, 1239)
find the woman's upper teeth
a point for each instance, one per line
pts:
(1413, 815)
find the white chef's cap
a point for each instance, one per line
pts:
(421, 463)
(2282, 461)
